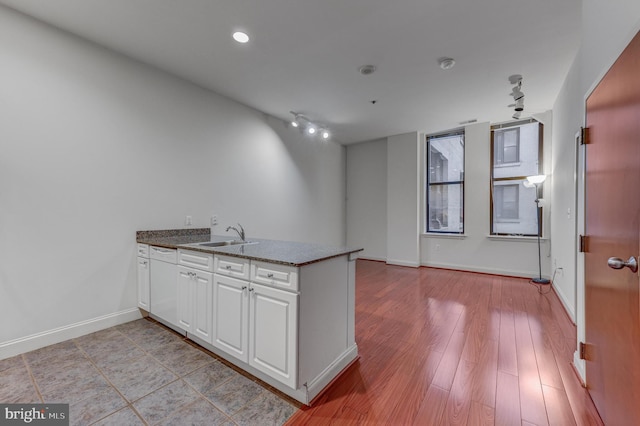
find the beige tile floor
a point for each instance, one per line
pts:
(139, 373)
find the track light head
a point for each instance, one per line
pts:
(515, 79)
(519, 105)
(517, 94)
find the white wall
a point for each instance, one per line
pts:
(403, 206)
(403, 199)
(607, 28)
(476, 250)
(94, 146)
(367, 198)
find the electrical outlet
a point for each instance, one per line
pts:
(214, 220)
(188, 221)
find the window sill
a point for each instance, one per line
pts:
(503, 165)
(515, 238)
(444, 235)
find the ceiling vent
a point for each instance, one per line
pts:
(367, 69)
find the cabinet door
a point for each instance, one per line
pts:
(203, 289)
(185, 299)
(230, 316)
(143, 283)
(273, 333)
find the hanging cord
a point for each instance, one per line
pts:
(553, 278)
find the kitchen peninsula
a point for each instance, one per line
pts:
(282, 311)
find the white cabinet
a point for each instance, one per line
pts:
(203, 294)
(195, 300)
(255, 323)
(144, 277)
(185, 298)
(163, 302)
(275, 275)
(231, 316)
(195, 294)
(273, 333)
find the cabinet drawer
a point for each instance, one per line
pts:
(164, 254)
(143, 250)
(275, 275)
(195, 259)
(231, 266)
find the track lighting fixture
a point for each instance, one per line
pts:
(517, 94)
(301, 121)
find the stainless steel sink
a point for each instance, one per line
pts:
(224, 243)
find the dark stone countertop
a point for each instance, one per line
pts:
(282, 252)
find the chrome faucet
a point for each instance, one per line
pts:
(240, 232)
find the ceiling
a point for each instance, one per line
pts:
(304, 55)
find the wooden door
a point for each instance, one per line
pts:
(612, 227)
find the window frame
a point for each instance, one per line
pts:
(443, 183)
(492, 179)
(515, 217)
(500, 160)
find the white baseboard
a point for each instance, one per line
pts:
(403, 263)
(480, 269)
(565, 303)
(580, 366)
(374, 258)
(315, 386)
(60, 334)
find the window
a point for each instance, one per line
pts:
(507, 146)
(506, 201)
(516, 153)
(445, 183)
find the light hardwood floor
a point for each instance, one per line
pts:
(448, 347)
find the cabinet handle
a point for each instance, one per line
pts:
(269, 275)
(244, 288)
(251, 289)
(228, 266)
(143, 263)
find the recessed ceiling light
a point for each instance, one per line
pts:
(325, 135)
(240, 37)
(311, 130)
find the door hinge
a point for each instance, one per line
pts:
(583, 244)
(583, 350)
(584, 136)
